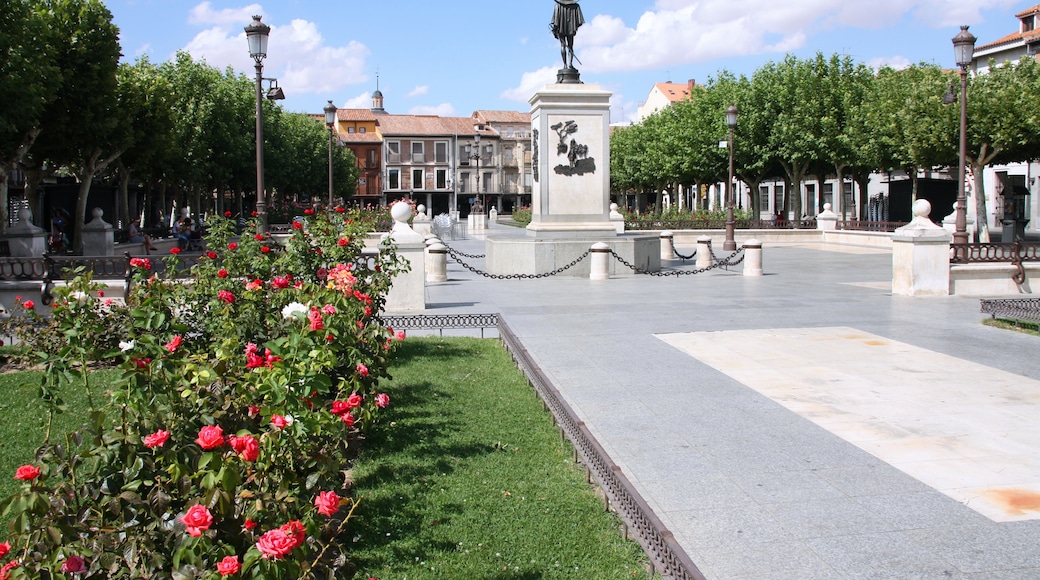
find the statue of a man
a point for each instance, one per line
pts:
(567, 18)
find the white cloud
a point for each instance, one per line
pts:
(896, 62)
(442, 110)
(529, 83)
(419, 91)
(298, 55)
(362, 101)
(205, 14)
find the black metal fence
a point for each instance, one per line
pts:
(1013, 308)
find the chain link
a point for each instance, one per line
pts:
(716, 264)
(464, 255)
(682, 257)
(455, 256)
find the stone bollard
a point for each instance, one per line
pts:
(408, 290)
(437, 263)
(617, 219)
(753, 257)
(493, 216)
(921, 256)
(24, 239)
(598, 269)
(704, 259)
(667, 245)
(827, 220)
(98, 237)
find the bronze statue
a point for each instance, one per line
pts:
(567, 18)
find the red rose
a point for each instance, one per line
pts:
(253, 214)
(327, 503)
(248, 524)
(29, 304)
(174, 343)
(280, 282)
(259, 237)
(342, 242)
(347, 419)
(222, 273)
(5, 571)
(297, 226)
(340, 209)
(143, 263)
(265, 249)
(175, 251)
(211, 255)
(210, 437)
(253, 410)
(27, 472)
(74, 565)
(382, 400)
(4, 549)
(226, 296)
(308, 212)
(354, 400)
(279, 421)
(232, 246)
(197, 520)
(227, 214)
(275, 545)
(229, 566)
(339, 407)
(362, 369)
(157, 439)
(295, 530)
(246, 446)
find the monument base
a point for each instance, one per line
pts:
(513, 255)
(568, 76)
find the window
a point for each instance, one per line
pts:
(778, 197)
(418, 179)
(372, 157)
(394, 179)
(350, 129)
(393, 149)
(361, 130)
(1027, 23)
(763, 198)
(487, 182)
(442, 179)
(418, 152)
(464, 153)
(463, 181)
(810, 199)
(440, 152)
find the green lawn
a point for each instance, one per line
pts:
(472, 480)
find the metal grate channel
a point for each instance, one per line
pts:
(1013, 308)
(441, 322)
(667, 556)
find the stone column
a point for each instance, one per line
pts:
(600, 265)
(25, 239)
(408, 292)
(753, 258)
(98, 237)
(667, 245)
(437, 263)
(704, 252)
(921, 256)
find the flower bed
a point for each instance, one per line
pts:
(242, 400)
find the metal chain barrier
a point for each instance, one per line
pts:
(682, 257)
(715, 264)
(464, 255)
(456, 256)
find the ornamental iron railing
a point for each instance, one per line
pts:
(1013, 308)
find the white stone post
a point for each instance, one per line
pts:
(421, 223)
(921, 256)
(408, 291)
(599, 267)
(827, 220)
(704, 252)
(98, 237)
(25, 239)
(667, 245)
(493, 215)
(437, 263)
(753, 257)
(617, 218)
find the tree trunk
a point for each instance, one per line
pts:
(33, 177)
(6, 166)
(124, 196)
(981, 215)
(86, 177)
(839, 172)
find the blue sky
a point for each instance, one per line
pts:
(451, 58)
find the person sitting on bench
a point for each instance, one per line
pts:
(136, 236)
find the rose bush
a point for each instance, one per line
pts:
(221, 450)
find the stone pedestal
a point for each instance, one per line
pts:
(617, 219)
(827, 220)
(98, 237)
(753, 258)
(25, 239)
(421, 223)
(704, 259)
(921, 256)
(667, 245)
(571, 190)
(408, 292)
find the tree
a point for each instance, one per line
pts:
(299, 158)
(28, 79)
(1003, 122)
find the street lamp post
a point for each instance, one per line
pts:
(330, 122)
(730, 244)
(964, 51)
(257, 34)
(476, 157)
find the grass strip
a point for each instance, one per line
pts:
(472, 480)
(1023, 326)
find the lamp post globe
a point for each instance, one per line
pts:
(730, 244)
(257, 34)
(330, 122)
(964, 54)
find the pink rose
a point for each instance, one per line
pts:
(382, 400)
(275, 544)
(279, 421)
(174, 343)
(347, 419)
(247, 447)
(295, 530)
(354, 400)
(229, 566)
(254, 285)
(143, 263)
(210, 437)
(226, 296)
(329, 309)
(327, 503)
(280, 282)
(340, 407)
(74, 565)
(316, 320)
(27, 472)
(362, 369)
(5, 548)
(157, 439)
(197, 520)
(253, 410)
(5, 571)
(29, 304)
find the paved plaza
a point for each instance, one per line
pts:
(806, 424)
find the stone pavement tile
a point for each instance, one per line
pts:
(828, 516)
(917, 510)
(1017, 574)
(783, 487)
(984, 548)
(889, 555)
(681, 467)
(711, 491)
(871, 479)
(728, 528)
(764, 561)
